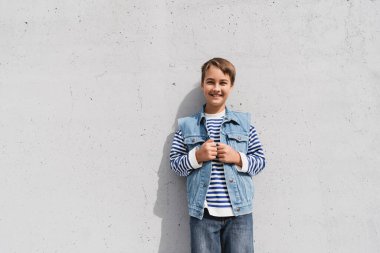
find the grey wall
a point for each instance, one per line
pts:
(90, 92)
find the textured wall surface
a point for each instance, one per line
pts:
(90, 92)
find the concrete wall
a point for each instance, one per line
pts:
(90, 92)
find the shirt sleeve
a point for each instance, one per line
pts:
(255, 159)
(244, 162)
(180, 161)
(193, 159)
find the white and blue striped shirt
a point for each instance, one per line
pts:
(217, 198)
(182, 162)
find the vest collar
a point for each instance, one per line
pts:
(229, 116)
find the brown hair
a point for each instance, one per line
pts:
(224, 65)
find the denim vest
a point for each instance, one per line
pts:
(234, 132)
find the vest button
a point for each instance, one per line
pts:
(238, 209)
(239, 138)
(231, 180)
(193, 140)
(204, 185)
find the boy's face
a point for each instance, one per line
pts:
(216, 88)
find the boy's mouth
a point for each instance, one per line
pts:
(216, 95)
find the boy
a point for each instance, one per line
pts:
(218, 151)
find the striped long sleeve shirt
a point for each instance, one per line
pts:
(217, 198)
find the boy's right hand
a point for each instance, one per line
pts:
(208, 151)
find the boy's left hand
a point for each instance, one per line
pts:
(227, 154)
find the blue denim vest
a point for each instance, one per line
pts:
(234, 132)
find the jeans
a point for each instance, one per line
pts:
(222, 234)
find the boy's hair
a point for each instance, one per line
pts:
(224, 65)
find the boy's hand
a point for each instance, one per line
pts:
(227, 154)
(206, 152)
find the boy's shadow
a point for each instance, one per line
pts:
(171, 202)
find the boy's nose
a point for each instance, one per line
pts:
(216, 86)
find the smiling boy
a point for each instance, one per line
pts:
(218, 150)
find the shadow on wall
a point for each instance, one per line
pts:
(171, 203)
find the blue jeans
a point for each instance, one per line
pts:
(222, 234)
